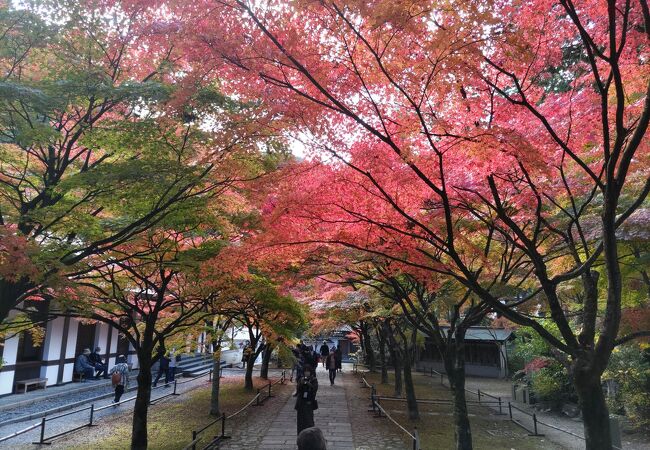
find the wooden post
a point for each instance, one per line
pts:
(42, 431)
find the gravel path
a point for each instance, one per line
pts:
(39, 405)
(80, 416)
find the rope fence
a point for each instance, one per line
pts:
(378, 410)
(532, 429)
(263, 394)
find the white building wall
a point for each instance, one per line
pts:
(52, 349)
(70, 350)
(113, 348)
(132, 358)
(101, 334)
(9, 358)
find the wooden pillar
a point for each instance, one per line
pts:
(64, 344)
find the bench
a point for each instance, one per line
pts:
(78, 376)
(31, 382)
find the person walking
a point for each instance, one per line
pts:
(324, 351)
(246, 353)
(163, 366)
(297, 365)
(331, 365)
(306, 399)
(339, 358)
(120, 377)
(171, 369)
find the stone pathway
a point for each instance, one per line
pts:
(331, 417)
(342, 409)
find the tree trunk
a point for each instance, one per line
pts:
(266, 358)
(595, 415)
(397, 363)
(462, 429)
(143, 397)
(248, 380)
(411, 400)
(367, 348)
(455, 367)
(216, 381)
(384, 363)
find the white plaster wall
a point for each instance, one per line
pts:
(6, 382)
(50, 372)
(113, 348)
(101, 334)
(53, 337)
(72, 340)
(67, 372)
(133, 358)
(52, 349)
(10, 351)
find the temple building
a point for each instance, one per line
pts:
(486, 353)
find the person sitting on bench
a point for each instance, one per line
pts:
(82, 365)
(96, 361)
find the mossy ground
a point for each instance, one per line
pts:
(170, 423)
(436, 424)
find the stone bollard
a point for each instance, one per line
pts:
(615, 432)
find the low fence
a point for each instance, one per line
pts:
(263, 394)
(356, 365)
(379, 410)
(91, 411)
(532, 427)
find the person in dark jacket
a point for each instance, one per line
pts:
(163, 366)
(339, 357)
(324, 351)
(96, 361)
(83, 366)
(306, 399)
(330, 363)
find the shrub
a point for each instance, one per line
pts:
(552, 384)
(629, 368)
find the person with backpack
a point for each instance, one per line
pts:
(306, 399)
(119, 377)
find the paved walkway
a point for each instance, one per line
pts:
(331, 417)
(342, 409)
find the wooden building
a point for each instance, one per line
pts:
(54, 358)
(486, 353)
